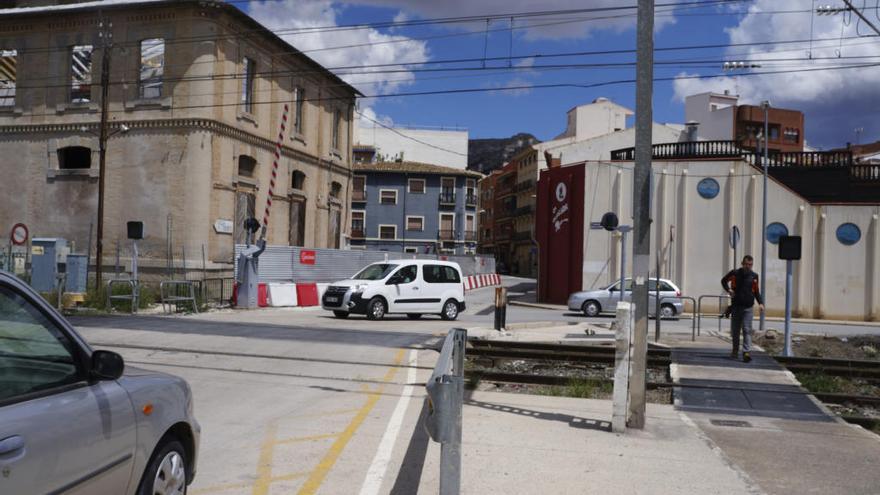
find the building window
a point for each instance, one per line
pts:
(708, 188)
(247, 84)
(774, 231)
(388, 197)
(791, 136)
(774, 132)
(247, 166)
(416, 186)
(297, 234)
(357, 224)
(411, 250)
(152, 68)
(337, 124)
(415, 223)
(335, 190)
(469, 228)
(81, 74)
(74, 158)
(388, 232)
(848, 234)
(359, 188)
(298, 180)
(8, 77)
(300, 94)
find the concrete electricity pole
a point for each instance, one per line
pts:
(641, 209)
(106, 36)
(766, 106)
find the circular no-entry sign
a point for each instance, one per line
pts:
(19, 234)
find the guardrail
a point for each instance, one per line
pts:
(700, 310)
(443, 405)
(693, 318)
(168, 298)
(132, 297)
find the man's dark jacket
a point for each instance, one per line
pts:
(745, 287)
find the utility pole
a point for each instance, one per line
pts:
(861, 16)
(641, 209)
(106, 36)
(766, 106)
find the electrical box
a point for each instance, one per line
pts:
(77, 273)
(48, 259)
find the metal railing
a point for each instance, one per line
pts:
(693, 317)
(470, 200)
(443, 406)
(447, 198)
(357, 233)
(700, 309)
(131, 297)
(217, 290)
(446, 235)
(357, 195)
(175, 292)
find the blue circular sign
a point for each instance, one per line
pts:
(848, 234)
(708, 188)
(776, 230)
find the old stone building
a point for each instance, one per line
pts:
(196, 95)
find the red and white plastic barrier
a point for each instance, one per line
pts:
(476, 281)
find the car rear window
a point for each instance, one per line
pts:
(440, 274)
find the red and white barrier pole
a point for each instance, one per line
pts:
(278, 146)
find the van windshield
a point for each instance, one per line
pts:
(375, 272)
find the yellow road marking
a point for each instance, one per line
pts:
(305, 439)
(339, 412)
(264, 465)
(233, 486)
(320, 473)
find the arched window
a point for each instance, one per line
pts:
(298, 180)
(74, 158)
(335, 190)
(247, 166)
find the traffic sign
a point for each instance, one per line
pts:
(19, 234)
(735, 236)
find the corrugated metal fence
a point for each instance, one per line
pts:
(286, 263)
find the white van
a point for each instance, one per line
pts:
(413, 287)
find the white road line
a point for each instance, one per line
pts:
(377, 472)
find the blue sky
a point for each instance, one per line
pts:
(835, 102)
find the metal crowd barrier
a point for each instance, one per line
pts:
(693, 318)
(132, 297)
(443, 405)
(173, 298)
(700, 311)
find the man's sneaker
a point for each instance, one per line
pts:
(746, 357)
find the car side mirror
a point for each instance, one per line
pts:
(612, 289)
(107, 365)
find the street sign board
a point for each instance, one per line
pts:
(307, 257)
(19, 234)
(735, 236)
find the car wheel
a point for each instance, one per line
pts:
(376, 309)
(341, 314)
(591, 308)
(667, 311)
(450, 310)
(166, 472)
(413, 316)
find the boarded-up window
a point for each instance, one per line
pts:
(333, 231)
(8, 77)
(415, 223)
(247, 84)
(152, 67)
(387, 232)
(81, 74)
(74, 157)
(245, 207)
(417, 186)
(297, 223)
(388, 197)
(247, 166)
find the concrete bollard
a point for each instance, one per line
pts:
(624, 324)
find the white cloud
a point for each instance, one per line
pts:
(833, 101)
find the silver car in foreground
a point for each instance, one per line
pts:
(594, 302)
(74, 420)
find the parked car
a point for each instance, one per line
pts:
(595, 302)
(414, 287)
(77, 420)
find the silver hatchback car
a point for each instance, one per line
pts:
(604, 300)
(74, 420)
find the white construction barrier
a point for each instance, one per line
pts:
(282, 295)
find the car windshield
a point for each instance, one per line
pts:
(375, 272)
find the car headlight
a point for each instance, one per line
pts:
(359, 288)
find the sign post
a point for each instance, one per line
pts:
(789, 250)
(734, 242)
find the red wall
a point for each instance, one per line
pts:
(560, 232)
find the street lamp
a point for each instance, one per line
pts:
(766, 106)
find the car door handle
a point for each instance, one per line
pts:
(415, 288)
(10, 445)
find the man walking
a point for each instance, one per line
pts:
(742, 285)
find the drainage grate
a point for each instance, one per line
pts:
(730, 422)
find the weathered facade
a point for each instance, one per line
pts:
(196, 95)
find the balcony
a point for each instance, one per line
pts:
(359, 196)
(470, 200)
(357, 233)
(690, 149)
(470, 236)
(446, 235)
(447, 198)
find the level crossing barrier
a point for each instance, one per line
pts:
(693, 317)
(133, 296)
(444, 408)
(175, 292)
(720, 297)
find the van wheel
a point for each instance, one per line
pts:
(166, 472)
(376, 309)
(450, 310)
(413, 316)
(341, 314)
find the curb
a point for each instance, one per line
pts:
(538, 305)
